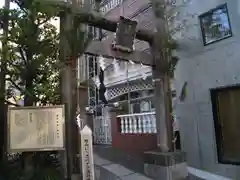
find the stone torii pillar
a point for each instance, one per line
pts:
(165, 164)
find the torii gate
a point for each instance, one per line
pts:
(158, 59)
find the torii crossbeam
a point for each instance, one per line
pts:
(103, 48)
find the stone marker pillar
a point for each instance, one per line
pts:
(87, 154)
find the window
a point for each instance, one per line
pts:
(135, 106)
(225, 104)
(215, 25)
(151, 93)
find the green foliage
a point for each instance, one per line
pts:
(33, 51)
(48, 167)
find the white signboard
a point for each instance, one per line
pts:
(87, 154)
(36, 128)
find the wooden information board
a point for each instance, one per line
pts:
(36, 128)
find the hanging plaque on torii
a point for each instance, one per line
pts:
(125, 35)
(121, 46)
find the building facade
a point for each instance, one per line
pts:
(209, 64)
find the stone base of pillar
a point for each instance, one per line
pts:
(165, 166)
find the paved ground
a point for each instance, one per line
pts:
(113, 164)
(107, 170)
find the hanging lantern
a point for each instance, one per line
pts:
(125, 34)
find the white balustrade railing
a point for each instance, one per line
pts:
(138, 123)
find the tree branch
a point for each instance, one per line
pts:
(14, 84)
(22, 55)
(10, 103)
(20, 89)
(20, 4)
(39, 23)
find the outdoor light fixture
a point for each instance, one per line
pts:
(87, 109)
(116, 104)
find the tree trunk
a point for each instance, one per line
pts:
(28, 97)
(28, 101)
(3, 107)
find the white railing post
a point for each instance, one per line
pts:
(87, 154)
(122, 125)
(130, 124)
(154, 125)
(135, 130)
(138, 123)
(144, 122)
(126, 124)
(149, 123)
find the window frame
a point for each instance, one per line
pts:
(217, 127)
(201, 16)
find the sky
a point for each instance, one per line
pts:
(2, 4)
(12, 5)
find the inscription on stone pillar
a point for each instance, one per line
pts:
(87, 154)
